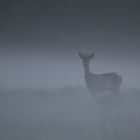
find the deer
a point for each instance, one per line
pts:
(106, 82)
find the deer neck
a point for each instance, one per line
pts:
(87, 70)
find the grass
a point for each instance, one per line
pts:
(68, 113)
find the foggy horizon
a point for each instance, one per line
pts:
(25, 70)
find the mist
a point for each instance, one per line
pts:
(44, 91)
(45, 97)
(29, 70)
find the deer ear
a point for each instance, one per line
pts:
(80, 54)
(92, 55)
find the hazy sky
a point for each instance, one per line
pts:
(39, 40)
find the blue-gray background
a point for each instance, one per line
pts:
(39, 40)
(42, 88)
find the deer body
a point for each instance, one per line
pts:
(100, 82)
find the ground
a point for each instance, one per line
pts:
(69, 114)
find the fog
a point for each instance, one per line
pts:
(30, 70)
(45, 97)
(43, 93)
(69, 113)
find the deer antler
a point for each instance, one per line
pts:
(91, 55)
(86, 55)
(81, 55)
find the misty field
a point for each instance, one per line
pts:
(69, 114)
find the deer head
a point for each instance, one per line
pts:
(86, 57)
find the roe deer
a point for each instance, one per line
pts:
(99, 82)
